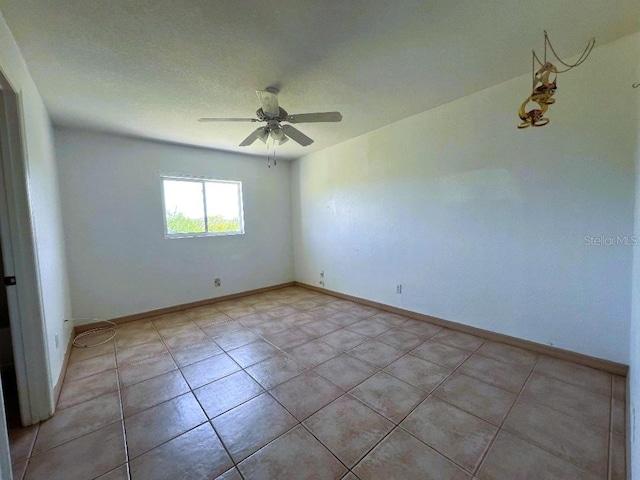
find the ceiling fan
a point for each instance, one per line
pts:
(273, 114)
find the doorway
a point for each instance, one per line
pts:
(7, 363)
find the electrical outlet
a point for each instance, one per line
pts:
(217, 282)
(57, 341)
(399, 288)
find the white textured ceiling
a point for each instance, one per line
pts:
(150, 68)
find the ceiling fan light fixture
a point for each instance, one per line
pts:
(278, 135)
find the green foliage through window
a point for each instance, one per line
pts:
(187, 199)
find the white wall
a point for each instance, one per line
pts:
(44, 202)
(484, 224)
(120, 263)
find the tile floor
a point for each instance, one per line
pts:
(293, 384)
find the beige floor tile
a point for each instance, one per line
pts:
(120, 473)
(236, 339)
(290, 338)
(560, 434)
(170, 319)
(454, 433)
(478, 398)
(296, 455)
(391, 319)
(343, 319)
(21, 442)
(135, 327)
(344, 339)
(575, 401)
(227, 393)
(104, 447)
(460, 340)
(156, 425)
(305, 394)
(313, 353)
(340, 304)
(185, 326)
(92, 366)
(230, 305)
(369, 327)
(420, 328)
(618, 417)
(211, 319)
(86, 388)
(151, 392)
(304, 304)
(79, 354)
(388, 396)
(275, 370)
(127, 356)
(620, 388)
(136, 337)
(578, 375)
(253, 353)
(501, 375)
(323, 311)
(318, 328)
(401, 456)
(208, 370)
(350, 476)
(348, 428)
(418, 372)
(345, 371)
(78, 420)
(376, 353)
(404, 341)
(221, 328)
(19, 469)
(147, 368)
(271, 327)
(254, 319)
(508, 354)
(441, 354)
(183, 340)
(196, 352)
(281, 312)
(300, 318)
(617, 458)
(252, 425)
(202, 311)
(513, 458)
(363, 311)
(195, 454)
(265, 305)
(240, 312)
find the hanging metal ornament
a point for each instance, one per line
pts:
(544, 85)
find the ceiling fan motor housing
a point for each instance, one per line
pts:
(282, 115)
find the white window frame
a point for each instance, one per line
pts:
(203, 181)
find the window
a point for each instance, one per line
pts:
(196, 207)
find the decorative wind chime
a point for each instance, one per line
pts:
(545, 84)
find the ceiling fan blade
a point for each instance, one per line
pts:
(228, 120)
(259, 133)
(315, 117)
(269, 101)
(296, 135)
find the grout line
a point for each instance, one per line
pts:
(124, 428)
(504, 419)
